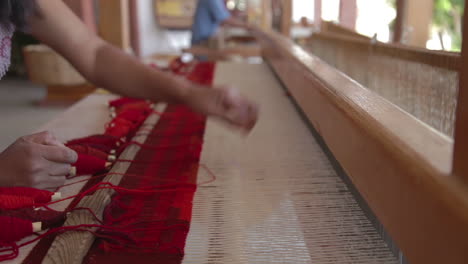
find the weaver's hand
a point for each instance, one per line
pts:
(225, 103)
(38, 161)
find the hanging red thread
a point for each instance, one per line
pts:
(88, 165)
(119, 237)
(167, 188)
(212, 179)
(81, 181)
(23, 228)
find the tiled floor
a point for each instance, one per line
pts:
(19, 112)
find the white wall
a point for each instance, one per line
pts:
(155, 39)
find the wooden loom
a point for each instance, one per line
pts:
(279, 200)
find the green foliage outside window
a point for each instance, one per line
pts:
(448, 15)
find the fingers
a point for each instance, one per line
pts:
(53, 175)
(59, 169)
(51, 182)
(44, 138)
(239, 110)
(58, 154)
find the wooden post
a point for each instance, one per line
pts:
(286, 18)
(418, 20)
(267, 14)
(348, 13)
(460, 158)
(114, 24)
(318, 13)
(85, 10)
(135, 27)
(399, 21)
(413, 22)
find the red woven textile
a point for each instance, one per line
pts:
(174, 165)
(184, 130)
(171, 211)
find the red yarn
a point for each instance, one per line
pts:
(87, 165)
(120, 128)
(14, 229)
(103, 148)
(11, 202)
(130, 175)
(148, 190)
(105, 140)
(88, 150)
(48, 218)
(123, 100)
(39, 196)
(172, 207)
(120, 237)
(141, 107)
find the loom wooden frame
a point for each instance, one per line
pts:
(460, 161)
(442, 59)
(330, 27)
(402, 167)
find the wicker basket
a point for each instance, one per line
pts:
(46, 67)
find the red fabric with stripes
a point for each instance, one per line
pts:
(184, 130)
(181, 166)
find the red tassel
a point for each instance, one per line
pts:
(83, 149)
(105, 140)
(103, 148)
(132, 106)
(39, 196)
(14, 229)
(88, 165)
(136, 116)
(49, 219)
(120, 128)
(12, 202)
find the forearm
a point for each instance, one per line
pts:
(110, 68)
(98, 61)
(123, 74)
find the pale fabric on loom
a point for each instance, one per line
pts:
(277, 198)
(6, 32)
(427, 91)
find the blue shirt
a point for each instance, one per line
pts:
(209, 14)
